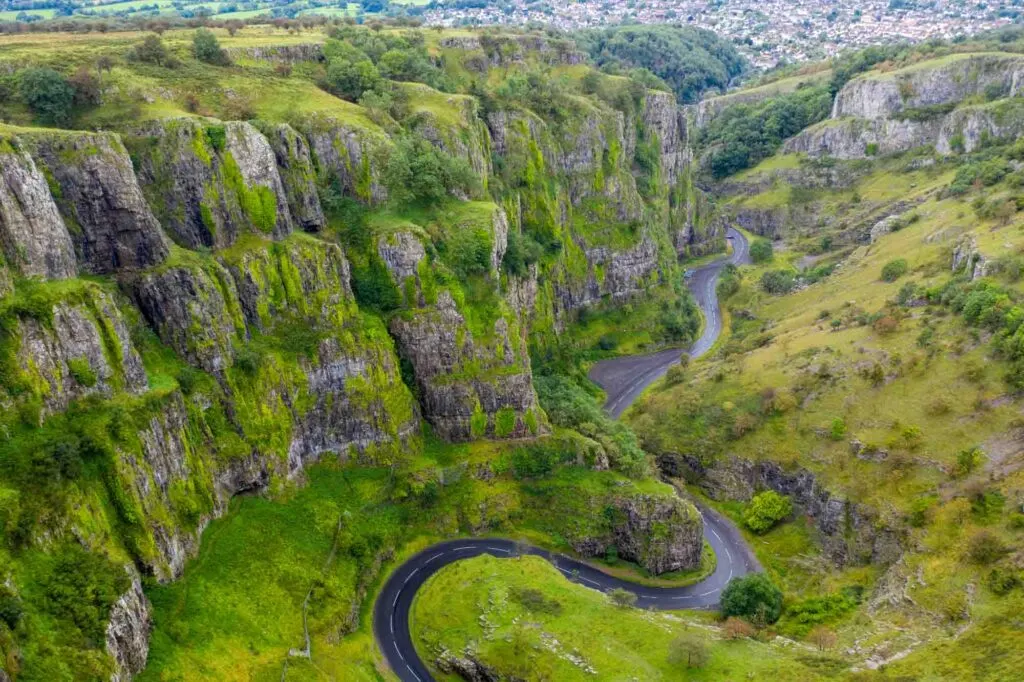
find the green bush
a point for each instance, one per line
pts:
(207, 49)
(80, 589)
(894, 269)
(350, 79)
(753, 597)
(48, 95)
(761, 251)
(417, 172)
(802, 616)
(765, 510)
(151, 51)
(778, 281)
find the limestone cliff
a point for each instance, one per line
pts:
(34, 239)
(100, 199)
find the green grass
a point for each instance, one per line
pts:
(476, 603)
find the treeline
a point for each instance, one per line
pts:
(691, 61)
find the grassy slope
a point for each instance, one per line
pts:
(474, 603)
(936, 400)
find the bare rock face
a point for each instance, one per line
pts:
(849, 533)
(194, 310)
(952, 80)
(352, 155)
(618, 275)
(209, 182)
(856, 138)
(967, 128)
(295, 166)
(83, 350)
(469, 387)
(661, 533)
(112, 226)
(32, 234)
(280, 54)
(967, 257)
(128, 632)
(663, 118)
(402, 253)
(467, 667)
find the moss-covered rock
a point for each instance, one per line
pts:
(33, 236)
(111, 225)
(295, 166)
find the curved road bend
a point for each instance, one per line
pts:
(623, 379)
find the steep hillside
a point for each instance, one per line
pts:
(235, 268)
(871, 376)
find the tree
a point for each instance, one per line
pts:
(778, 281)
(207, 49)
(688, 651)
(350, 79)
(48, 94)
(622, 598)
(985, 547)
(417, 172)
(151, 51)
(761, 251)
(765, 510)
(754, 597)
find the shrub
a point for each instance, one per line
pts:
(838, 429)
(778, 281)
(765, 510)
(48, 94)
(737, 628)
(761, 251)
(534, 600)
(967, 461)
(894, 269)
(207, 49)
(822, 638)
(985, 547)
(753, 597)
(622, 598)
(1000, 580)
(80, 589)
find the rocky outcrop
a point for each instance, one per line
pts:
(885, 226)
(968, 128)
(850, 533)
(208, 181)
(467, 667)
(402, 253)
(111, 225)
(83, 349)
(471, 384)
(665, 123)
(969, 259)
(948, 80)
(661, 533)
(612, 274)
(33, 237)
(353, 156)
(194, 309)
(280, 54)
(128, 632)
(295, 166)
(459, 132)
(856, 138)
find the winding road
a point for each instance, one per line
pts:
(623, 380)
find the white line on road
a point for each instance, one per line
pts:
(499, 549)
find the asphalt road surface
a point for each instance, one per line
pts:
(623, 379)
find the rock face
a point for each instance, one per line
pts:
(944, 81)
(190, 307)
(34, 239)
(968, 258)
(886, 113)
(85, 349)
(665, 122)
(209, 182)
(854, 138)
(128, 632)
(469, 386)
(111, 225)
(660, 533)
(295, 166)
(350, 155)
(850, 533)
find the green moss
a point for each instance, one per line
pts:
(478, 422)
(82, 372)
